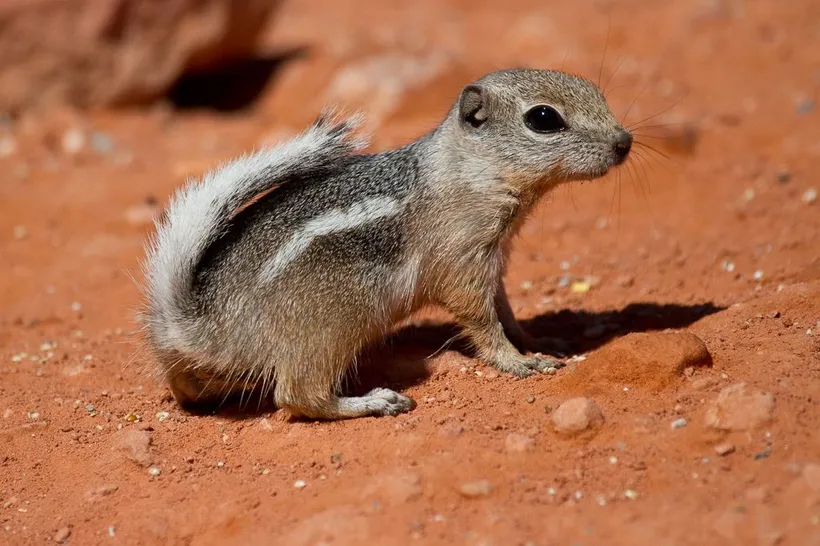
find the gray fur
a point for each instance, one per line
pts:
(284, 293)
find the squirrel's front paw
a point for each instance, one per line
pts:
(524, 366)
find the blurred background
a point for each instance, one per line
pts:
(108, 106)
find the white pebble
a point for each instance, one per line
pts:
(601, 500)
(613, 460)
(163, 416)
(728, 266)
(33, 415)
(111, 531)
(8, 146)
(578, 495)
(76, 307)
(299, 484)
(630, 494)
(758, 275)
(154, 471)
(810, 196)
(552, 491)
(679, 423)
(526, 285)
(73, 141)
(748, 194)
(220, 464)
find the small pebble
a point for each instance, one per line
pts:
(73, 141)
(102, 143)
(758, 275)
(577, 415)
(613, 460)
(8, 146)
(530, 399)
(551, 370)
(476, 489)
(62, 535)
(34, 415)
(728, 265)
(519, 443)
(679, 423)
(76, 307)
(526, 285)
(809, 196)
(220, 464)
(154, 471)
(601, 500)
(804, 106)
(163, 416)
(748, 194)
(630, 494)
(111, 532)
(724, 449)
(299, 484)
(580, 287)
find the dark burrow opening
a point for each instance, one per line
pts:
(231, 87)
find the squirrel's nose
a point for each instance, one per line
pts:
(622, 145)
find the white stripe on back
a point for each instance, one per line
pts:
(358, 214)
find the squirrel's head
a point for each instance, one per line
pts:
(541, 126)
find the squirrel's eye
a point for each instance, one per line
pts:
(544, 119)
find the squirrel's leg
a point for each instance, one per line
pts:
(309, 389)
(522, 340)
(299, 403)
(473, 302)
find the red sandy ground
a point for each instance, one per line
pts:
(662, 232)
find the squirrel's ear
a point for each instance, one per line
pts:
(472, 105)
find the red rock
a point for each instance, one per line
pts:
(577, 415)
(647, 361)
(109, 52)
(738, 409)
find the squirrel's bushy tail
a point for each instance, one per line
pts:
(199, 212)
